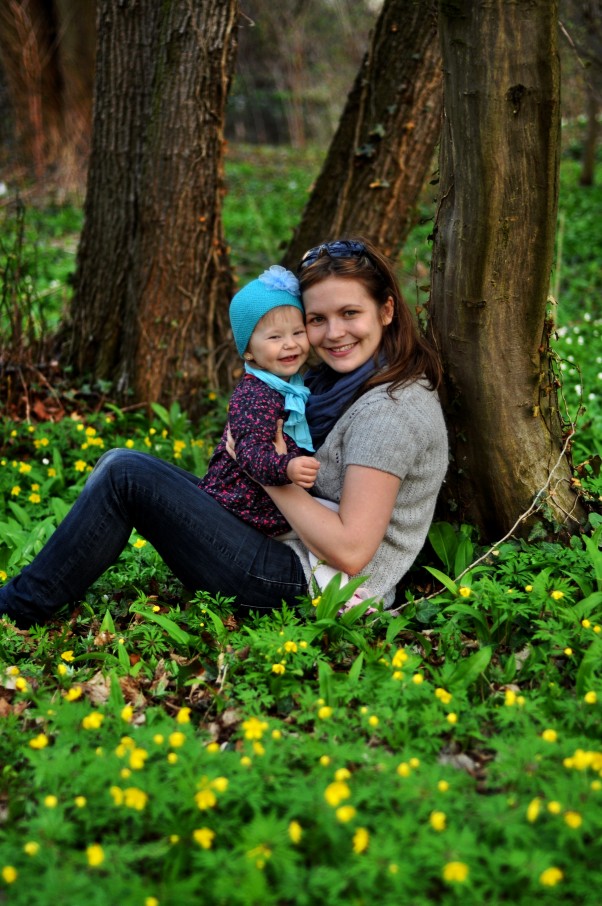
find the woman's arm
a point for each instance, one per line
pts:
(346, 540)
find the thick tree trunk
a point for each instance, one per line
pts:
(153, 280)
(47, 52)
(492, 258)
(383, 147)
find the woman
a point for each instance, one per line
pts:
(380, 438)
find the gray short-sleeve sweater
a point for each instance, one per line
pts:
(405, 436)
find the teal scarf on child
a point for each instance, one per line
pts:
(295, 394)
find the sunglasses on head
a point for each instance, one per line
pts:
(340, 248)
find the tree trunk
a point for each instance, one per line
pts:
(492, 257)
(590, 145)
(153, 280)
(383, 147)
(47, 52)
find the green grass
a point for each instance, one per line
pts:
(156, 748)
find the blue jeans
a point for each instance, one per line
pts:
(203, 544)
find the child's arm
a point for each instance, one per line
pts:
(303, 471)
(254, 411)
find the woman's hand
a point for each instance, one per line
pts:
(279, 442)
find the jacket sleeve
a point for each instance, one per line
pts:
(254, 411)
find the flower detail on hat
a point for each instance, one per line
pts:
(277, 277)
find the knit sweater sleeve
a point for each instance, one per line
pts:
(254, 411)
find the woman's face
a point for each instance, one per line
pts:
(344, 323)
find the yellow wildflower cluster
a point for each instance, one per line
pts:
(582, 760)
(206, 798)
(254, 728)
(130, 797)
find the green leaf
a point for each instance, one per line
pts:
(445, 543)
(107, 624)
(175, 632)
(469, 669)
(445, 580)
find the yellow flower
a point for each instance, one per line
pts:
(21, 684)
(464, 591)
(452, 718)
(373, 720)
(509, 697)
(549, 735)
(24, 468)
(80, 465)
(399, 658)
(3, 575)
(254, 728)
(551, 877)
(204, 836)
(361, 840)
(325, 712)
(151, 901)
(336, 792)
(295, 831)
(129, 444)
(586, 623)
(93, 720)
(135, 798)
(290, 647)
(443, 786)
(528, 588)
(9, 874)
(212, 747)
(276, 734)
(345, 813)
(51, 801)
(34, 498)
(438, 820)
(15, 491)
(127, 713)
(443, 695)
(568, 651)
(533, 810)
(455, 872)
(557, 595)
(80, 801)
(205, 799)
(417, 679)
(31, 848)
(138, 758)
(95, 855)
(403, 769)
(183, 716)
(573, 819)
(158, 739)
(177, 739)
(258, 748)
(62, 669)
(139, 543)
(72, 694)
(316, 601)
(39, 742)
(554, 807)
(67, 656)
(590, 698)
(278, 669)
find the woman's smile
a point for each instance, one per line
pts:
(344, 323)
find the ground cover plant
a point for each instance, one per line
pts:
(158, 749)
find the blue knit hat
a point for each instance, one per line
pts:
(274, 288)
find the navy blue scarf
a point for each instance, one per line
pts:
(331, 394)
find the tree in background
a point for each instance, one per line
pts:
(47, 55)
(383, 147)
(582, 28)
(153, 279)
(492, 256)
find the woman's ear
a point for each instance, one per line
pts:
(387, 311)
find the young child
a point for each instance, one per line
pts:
(267, 321)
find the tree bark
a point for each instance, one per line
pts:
(383, 147)
(153, 280)
(492, 256)
(47, 52)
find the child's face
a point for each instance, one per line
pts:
(279, 342)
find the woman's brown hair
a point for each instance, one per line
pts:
(409, 356)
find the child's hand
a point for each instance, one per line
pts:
(302, 471)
